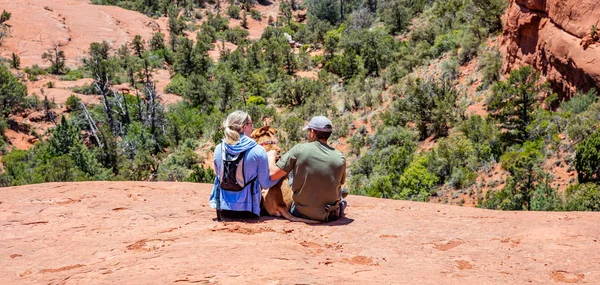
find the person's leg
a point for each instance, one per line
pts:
(297, 213)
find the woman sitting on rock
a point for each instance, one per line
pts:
(242, 169)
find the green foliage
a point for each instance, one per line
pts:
(587, 159)
(12, 91)
(582, 115)
(325, 10)
(73, 103)
(523, 164)
(89, 89)
(191, 58)
(514, 101)
(236, 35)
(157, 42)
(5, 16)
(184, 122)
(137, 44)
(256, 15)
(469, 45)
(490, 64)
(416, 183)
(377, 174)
(431, 105)
(178, 165)
(201, 175)
(483, 134)
(580, 102)
(34, 71)
(582, 197)
(15, 61)
(454, 160)
(544, 197)
(72, 75)
(56, 57)
(233, 11)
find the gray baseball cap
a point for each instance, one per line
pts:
(319, 123)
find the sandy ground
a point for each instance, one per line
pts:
(162, 233)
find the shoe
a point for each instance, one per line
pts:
(342, 208)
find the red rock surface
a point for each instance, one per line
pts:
(164, 233)
(547, 34)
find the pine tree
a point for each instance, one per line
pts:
(15, 61)
(244, 20)
(138, 45)
(514, 101)
(57, 58)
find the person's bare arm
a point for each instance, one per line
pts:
(275, 172)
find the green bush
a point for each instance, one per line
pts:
(34, 71)
(256, 100)
(255, 14)
(490, 64)
(233, 11)
(587, 159)
(580, 102)
(89, 89)
(73, 103)
(72, 75)
(12, 91)
(236, 35)
(513, 103)
(582, 197)
(523, 164)
(416, 183)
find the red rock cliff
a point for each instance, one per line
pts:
(548, 34)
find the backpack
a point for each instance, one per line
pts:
(232, 176)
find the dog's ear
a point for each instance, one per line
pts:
(272, 131)
(259, 132)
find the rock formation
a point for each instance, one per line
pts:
(548, 35)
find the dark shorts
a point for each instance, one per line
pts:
(238, 214)
(332, 217)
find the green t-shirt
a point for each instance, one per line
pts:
(317, 172)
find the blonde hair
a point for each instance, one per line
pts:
(233, 126)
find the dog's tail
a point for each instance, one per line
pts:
(292, 218)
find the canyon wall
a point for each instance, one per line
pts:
(554, 37)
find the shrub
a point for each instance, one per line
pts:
(233, 11)
(256, 15)
(236, 35)
(73, 103)
(416, 183)
(72, 75)
(582, 197)
(490, 64)
(587, 159)
(34, 71)
(89, 89)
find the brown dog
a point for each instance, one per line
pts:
(276, 200)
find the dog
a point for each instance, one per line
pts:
(276, 200)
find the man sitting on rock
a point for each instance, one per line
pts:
(317, 173)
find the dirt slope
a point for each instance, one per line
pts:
(164, 233)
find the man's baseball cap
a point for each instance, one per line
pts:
(319, 123)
